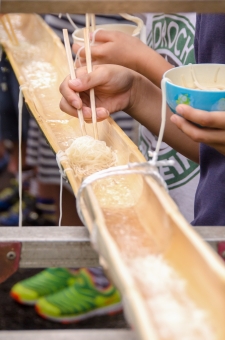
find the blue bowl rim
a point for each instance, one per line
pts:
(187, 88)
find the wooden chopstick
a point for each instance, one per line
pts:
(89, 69)
(90, 21)
(93, 26)
(73, 76)
(87, 20)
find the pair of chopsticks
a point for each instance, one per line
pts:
(7, 25)
(90, 19)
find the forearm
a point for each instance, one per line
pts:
(146, 108)
(151, 64)
(121, 49)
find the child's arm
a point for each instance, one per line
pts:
(118, 88)
(122, 49)
(213, 123)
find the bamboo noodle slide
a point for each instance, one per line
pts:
(131, 218)
(8, 28)
(48, 67)
(15, 40)
(73, 76)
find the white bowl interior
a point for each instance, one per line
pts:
(207, 75)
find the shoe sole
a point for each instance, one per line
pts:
(113, 309)
(17, 298)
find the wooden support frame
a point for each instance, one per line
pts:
(44, 247)
(70, 334)
(111, 6)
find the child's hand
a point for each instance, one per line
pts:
(122, 49)
(119, 88)
(113, 86)
(213, 123)
(113, 47)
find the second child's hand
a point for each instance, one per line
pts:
(212, 132)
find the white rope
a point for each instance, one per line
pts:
(94, 34)
(155, 153)
(60, 200)
(77, 59)
(20, 184)
(61, 156)
(72, 22)
(145, 169)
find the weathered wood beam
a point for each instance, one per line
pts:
(70, 334)
(43, 247)
(111, 6)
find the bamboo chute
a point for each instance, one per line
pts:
(138, 215)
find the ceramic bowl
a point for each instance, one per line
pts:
(134, 30)
(182, 86)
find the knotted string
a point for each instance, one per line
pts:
(146, 169)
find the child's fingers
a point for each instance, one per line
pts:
(102, 36)
(102, 113)
(80, 62)
(66, 107)
(213, 119)
(198, 134)
(68, 93)
(76, 47)
(86, 81)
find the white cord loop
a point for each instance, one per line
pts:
(60, 157)
(146, 169)
(20, 185)
(154, 154)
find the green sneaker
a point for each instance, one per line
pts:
(80, 301)
(44, 283)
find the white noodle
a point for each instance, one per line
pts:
(88, 155)
(214, 87)
(175, 315)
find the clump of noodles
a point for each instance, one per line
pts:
(174, 313)
(88, 155)
(213, 86)
(25, 51)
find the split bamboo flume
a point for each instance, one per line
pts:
(172, 283)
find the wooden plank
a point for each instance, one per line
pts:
(211, 234)
(71, 334)
(44, 247)
(111, 6)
